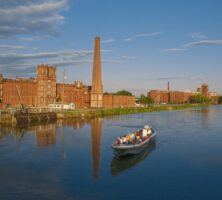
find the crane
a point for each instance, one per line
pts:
(23, 110)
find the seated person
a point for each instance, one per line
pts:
(146, 130)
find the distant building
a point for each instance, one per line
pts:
(174, 97)
(180, 97)
(204, 90)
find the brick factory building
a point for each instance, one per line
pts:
(44, 89)
(180, 97)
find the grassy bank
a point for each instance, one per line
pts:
(91, 113)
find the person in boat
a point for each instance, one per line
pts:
(146, 131)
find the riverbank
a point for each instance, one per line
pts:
(92, 113)
(8, 118)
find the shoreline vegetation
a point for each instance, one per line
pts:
(78, 114)
(104, 112)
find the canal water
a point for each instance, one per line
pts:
(74, 160)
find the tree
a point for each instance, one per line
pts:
(220, 100)
(106, 93)
(199, 98)
(124, 93)
(145, 100)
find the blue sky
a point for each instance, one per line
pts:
(144, 43)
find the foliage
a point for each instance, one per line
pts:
(198, 98)
(106, 93)
(220, 100)
(145, 100)
(124, 93)
(92, 113)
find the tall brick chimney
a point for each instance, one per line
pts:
(168, 86)
(97, 87)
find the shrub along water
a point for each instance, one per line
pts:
(91, 113)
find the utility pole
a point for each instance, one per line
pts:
(63, 81)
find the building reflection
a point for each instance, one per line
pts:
(76, 124)
(96, 126)
(48, 135)
(45, 135)
(204, 116)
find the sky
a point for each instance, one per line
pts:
(144, 43)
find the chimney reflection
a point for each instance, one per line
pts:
(76, 124)
(96, 126)
(205, 116)
(46, 135)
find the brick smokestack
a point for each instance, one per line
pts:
(97, 87)
(168, 86)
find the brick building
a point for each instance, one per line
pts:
(46, 85)
(118, 101)
(174, 97)
(76, 93)
(180, 97)
(43, 90)
(204, 90)
(26, 87)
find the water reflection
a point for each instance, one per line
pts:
(119, 165)
(48, 135)
(96, 126)
(204, 116)
(45, 135)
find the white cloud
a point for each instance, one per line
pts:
(141, 35)
(31, 16)
(108, 41)
(22, 63)
(2, 46)
(203, 43)
(198, 35)
(34, 38)
(128, 57)
(171, 78)
(175, 50)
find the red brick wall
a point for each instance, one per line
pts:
(118, 101)
(76, 93)
(204, 90)
(46, 85)
(27, 88)
(176, 97)
(159, 96)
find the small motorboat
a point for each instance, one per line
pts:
(122, 164)
(133, 143)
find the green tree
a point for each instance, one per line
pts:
(124, 93)
(106, 93)
(220, 100)
(144, 100)
(199, 98)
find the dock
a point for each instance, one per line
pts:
(33, 116)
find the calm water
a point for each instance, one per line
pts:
(74, 160)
